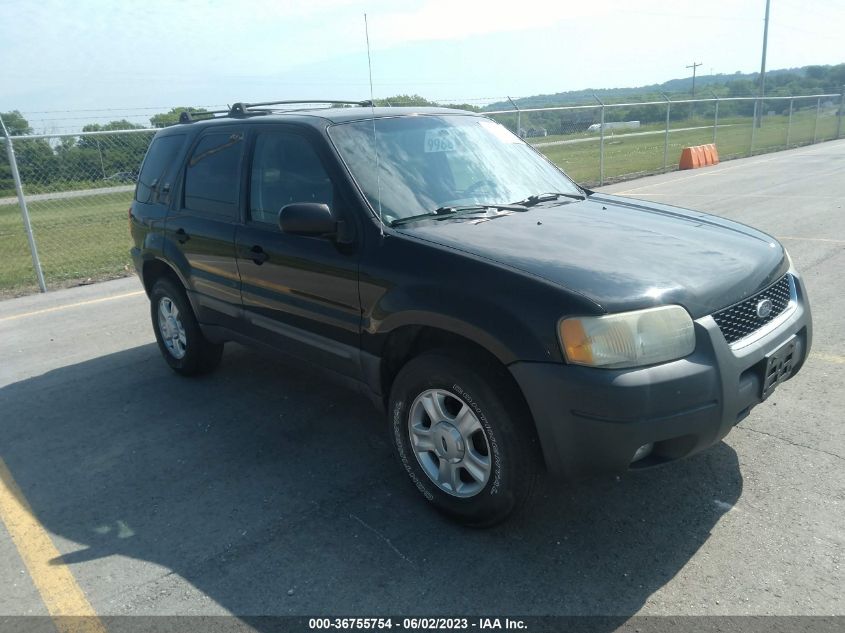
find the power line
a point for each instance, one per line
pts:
(127, 109)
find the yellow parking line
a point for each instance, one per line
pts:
(830, 358)
(62, 596)
(71, 305)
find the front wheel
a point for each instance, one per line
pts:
(177, 332)
(464, 437)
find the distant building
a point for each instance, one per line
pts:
(614, 125)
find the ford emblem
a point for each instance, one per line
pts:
(764, 308)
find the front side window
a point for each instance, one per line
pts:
(285, 169)
(428, 162)
(212, 179)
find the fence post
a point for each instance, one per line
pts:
(666, 137)
(816, 124)
(102, 164)
(10, 152)
(601, 142)
(841, 113)
(754, 127)
(789, 123)
(518, 118)
(715, 116)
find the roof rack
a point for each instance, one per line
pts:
(247, 109)
(187, 117)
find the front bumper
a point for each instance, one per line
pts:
(592, 421)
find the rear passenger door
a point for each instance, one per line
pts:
(201, 231)
(299, 293)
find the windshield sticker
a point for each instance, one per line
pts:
(499, 131)
(442, 139)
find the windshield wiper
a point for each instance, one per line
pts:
(530, 201)
(455, 210)
(481, 207)
(423, 216)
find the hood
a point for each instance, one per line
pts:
(623, 254)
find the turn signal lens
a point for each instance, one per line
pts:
(575, 341)
(628, 339)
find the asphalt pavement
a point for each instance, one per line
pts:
(64, 195)
(265, 490)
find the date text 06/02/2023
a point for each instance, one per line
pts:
(415, 624)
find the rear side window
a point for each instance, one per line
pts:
(212, 179)
(160, 157)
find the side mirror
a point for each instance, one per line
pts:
(307, 218)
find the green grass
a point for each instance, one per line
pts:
(77, 238)
(628, 156)
(88, 236)
(659, 126)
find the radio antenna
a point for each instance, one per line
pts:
(375, 139)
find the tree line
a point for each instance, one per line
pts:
(784, 82)
(72, 162)
(102, 160)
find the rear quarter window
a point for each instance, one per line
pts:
(159, 159)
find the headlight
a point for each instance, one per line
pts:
(628, 339)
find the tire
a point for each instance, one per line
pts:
(180, 338)
(490, 421)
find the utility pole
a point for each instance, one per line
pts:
(693, 66)
(763, 67)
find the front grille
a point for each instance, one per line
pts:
(740, 319)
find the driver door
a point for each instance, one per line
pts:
(299, 293)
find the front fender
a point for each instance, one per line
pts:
(420, 308)
(497, 327)
(405, 281)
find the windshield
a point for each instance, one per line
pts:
(431, 162)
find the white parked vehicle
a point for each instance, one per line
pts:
(615, 125)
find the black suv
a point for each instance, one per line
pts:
(507, 320)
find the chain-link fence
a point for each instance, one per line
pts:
(76, 188)
(603, 143)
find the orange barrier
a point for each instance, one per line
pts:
(689, 159)
(715, 152)
(698, 156)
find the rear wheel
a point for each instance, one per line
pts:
(177, 332)
(463, 437)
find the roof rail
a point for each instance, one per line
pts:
(246, 109)
(240, 109)
(188, 117)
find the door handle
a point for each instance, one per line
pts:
(257, 254)
(182, 236)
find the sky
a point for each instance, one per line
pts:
(63, 62)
